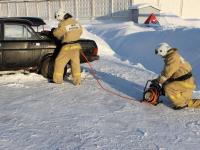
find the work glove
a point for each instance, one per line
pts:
(161, 87)
(155, 81)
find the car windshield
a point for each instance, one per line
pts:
(18, 32)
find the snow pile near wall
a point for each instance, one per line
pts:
(172, 20)
(103, 47)
(137, 43)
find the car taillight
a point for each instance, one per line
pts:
(95, 51)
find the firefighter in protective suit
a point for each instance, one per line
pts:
(176, 78)
(69, 31)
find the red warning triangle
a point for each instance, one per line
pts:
(151, 19)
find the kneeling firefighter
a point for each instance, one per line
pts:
(176, 78)
(69, 31)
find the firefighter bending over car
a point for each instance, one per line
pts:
(176, 78)
(69, 31)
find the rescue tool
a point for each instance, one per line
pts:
(152, 92)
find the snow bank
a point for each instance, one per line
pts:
(35, 114)
(137, 43)
(172, 20)
(103, 47)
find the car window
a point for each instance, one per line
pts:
(18, 32)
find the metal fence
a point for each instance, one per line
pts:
(92, 9)
(81, 9)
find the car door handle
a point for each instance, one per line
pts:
(36, 44)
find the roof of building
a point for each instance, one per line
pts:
(139, 6)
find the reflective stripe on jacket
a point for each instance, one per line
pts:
(68, 30)
(175, 66)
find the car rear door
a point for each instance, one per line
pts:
(15, 46)
(1, 36)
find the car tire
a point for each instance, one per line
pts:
(45, 67)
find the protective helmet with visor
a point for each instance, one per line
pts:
(162, 49)
(59, 15)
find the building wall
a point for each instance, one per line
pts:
(183, 8)
(191, 9)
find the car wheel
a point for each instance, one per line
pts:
(45, 67)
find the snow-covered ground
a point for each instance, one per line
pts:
(37, 115)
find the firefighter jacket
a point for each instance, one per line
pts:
(175, 66)
(68, 30)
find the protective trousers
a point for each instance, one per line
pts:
(180, 92)
(68, 52)
(195, 103)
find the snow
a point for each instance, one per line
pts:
(36, 114)
(143, 5)
(137, 43)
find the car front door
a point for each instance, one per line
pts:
(15, 46)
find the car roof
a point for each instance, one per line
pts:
(33, 21)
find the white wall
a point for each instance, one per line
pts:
(191, 8)
(183, 8)
(171, 6)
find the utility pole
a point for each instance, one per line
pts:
(158, 3)
(17, 9)
(76, 9)
(181, 8)
(49, 11)
(132, 2)
(93, 9)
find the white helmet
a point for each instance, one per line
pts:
(59, 15)
(162, 49)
